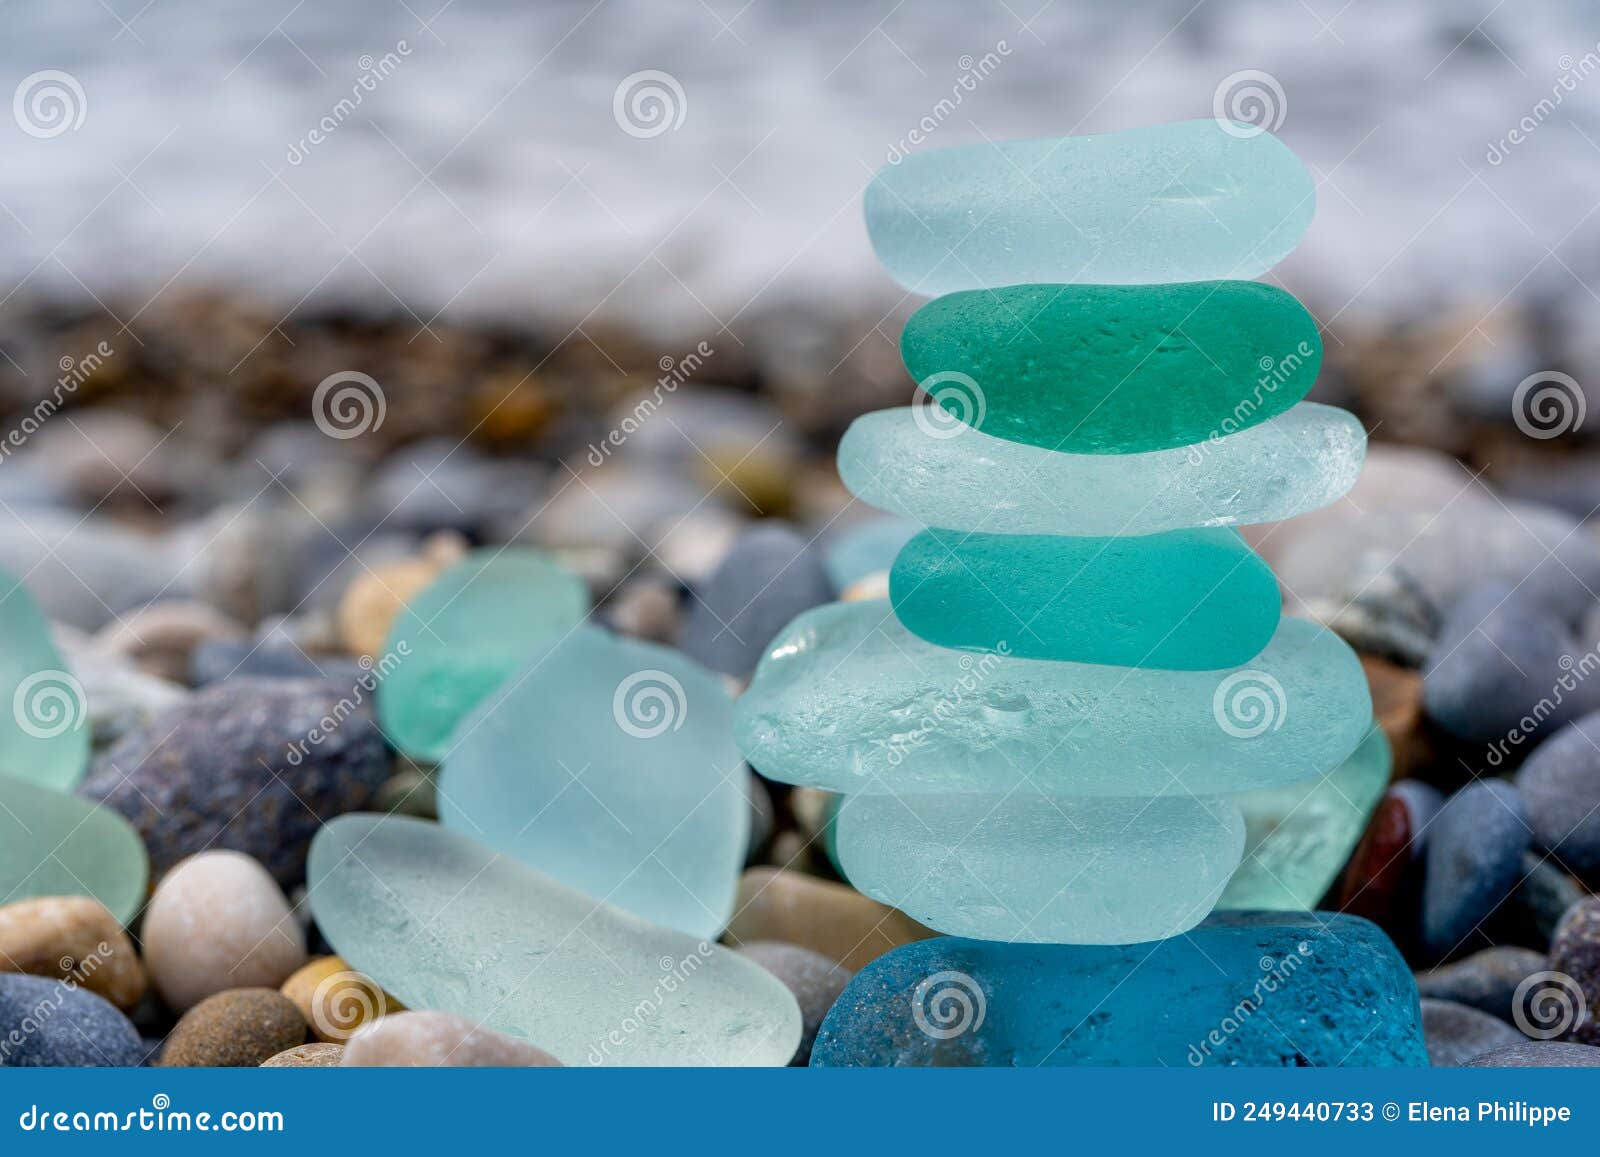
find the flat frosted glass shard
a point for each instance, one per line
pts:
(849, 700)
(899, 461)
(466, 632)
(1298, 837)
(1187, 599)
(62, 845)
(44, 714)
(1260, 989)
(445, 923)
(610, 765)
(1041, 869)
(1114, 369)
(1192, 201)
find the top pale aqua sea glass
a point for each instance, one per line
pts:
(1192, 201)
(44, 717)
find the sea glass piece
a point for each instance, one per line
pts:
(53, 844)
(1298, 837)
(1262, 989)
(609, 764)
(900, 461)
(443, 922)
(1187, 599)
(849, 700)
(1114, 369)
(1191, 201)
(463, 634)
(44, 714)
(1042, 869)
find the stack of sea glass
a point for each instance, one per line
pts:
(1080, 706)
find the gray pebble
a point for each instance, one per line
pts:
(1474, 860)
(771, 575)
(48, 1024)
(1486, 980)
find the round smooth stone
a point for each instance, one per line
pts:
(62, 845)
(1298, 837)
(815, 981)
(609, 764)
(897, 461)
(439, 1040)
(73, 939)
(456, 641)
(1487, 981)
(1187, 600)
(1539, 1055)
(1474, 861)
(1296, 990)
(1560, 784)
(849, 700)
(445, 923)
(1191, 201)
(336, 1000)
(44, 713)
(313, 1056)
(1026, 867)
(832, 920)
(44, 1023)
(1456, 1033)
(1575, 955)
(1113, 369)
(240, 1028)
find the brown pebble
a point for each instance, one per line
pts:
(439, 1039)
(239, 1028)
(313, 1056)
(336, 1000)
(73, 939)
(831, 919)
(1397, 706)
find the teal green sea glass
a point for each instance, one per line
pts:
(466, 632)
(1187, 599)
(1042, 869)
(1191, 201)
(1247, 989)
(895, 460)
(44, 716)
(1298, 837)
(1114, 369)
(53, 844)
(445, 923)
(848, 700)
(610, 765)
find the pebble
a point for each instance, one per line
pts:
(1474, 860)
(439, 1040)
(620, 507)
(313, 1056)
(410, 791)
(219, 921)
(85, 570)
(374, 598)
(832, 920)
(100, 453)
(239, 1028)
(1575, 952)
(1397, 706)
(1487, 980)
(1542, 896)
(120, 696)
(1539, 1055)
(45, 1023)
(772, 574)
(444, 484)
(253, 765)
(1560, 784)
(648, 609)
(815, 981)
(335, 999)
(63, 845)
(1456, 1033)
(71, 938)
(1376, 877)
(217, 660)
(160, 637)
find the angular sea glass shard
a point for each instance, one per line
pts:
(900, 461)
(1187, 599)
(1298, 837)
(466, 632)
(1191, 201)
(44, 715)
(1114, 369)
(445, 923)
(1262, 989)
(849, 700)
(62, 845)
(610, 765)
(1041, 869)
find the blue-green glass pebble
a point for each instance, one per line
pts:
(44, 714)
(1191, 201)
(463, 634)
(609, 764)
(1186, 600)
(1252, 989)
(53, 844)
